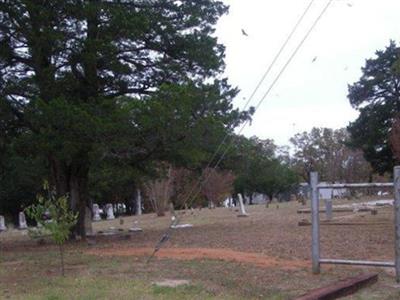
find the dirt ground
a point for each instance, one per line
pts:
(206, 253)
(221, 252)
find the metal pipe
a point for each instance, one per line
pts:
(396, 180)
(357, 262)
(353, 185)
(315, 222)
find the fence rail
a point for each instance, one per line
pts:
(353, 185)
(315, 247)
(357, 262)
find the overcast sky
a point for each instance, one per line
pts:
(309, 93)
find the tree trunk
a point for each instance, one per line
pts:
(61, 248)
(79, 198)
(130, 204)
(72, 180)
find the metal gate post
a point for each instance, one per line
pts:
(396, 184)
(315, 222)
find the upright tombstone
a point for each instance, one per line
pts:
(241, 206)
(138, 203)
(2, 224)
(110, 212)
(22, 221)
(96, 212)
(328, 209)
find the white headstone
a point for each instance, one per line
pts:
(328, 209)
(241, 206)
(110, 212)
(96, 212)
(181, 226)
(22, 221)
(138, 203)
(2, 224)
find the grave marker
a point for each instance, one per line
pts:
(110, 212)
(138, 203)
(241, 206)
(2, 224)
(22, 221)
(96, 212)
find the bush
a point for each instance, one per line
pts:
(54, 217)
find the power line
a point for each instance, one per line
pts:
(274, 82)
(166, 234)
(278, 54)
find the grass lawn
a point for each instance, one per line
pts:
(264, 256)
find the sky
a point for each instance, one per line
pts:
(312, 92)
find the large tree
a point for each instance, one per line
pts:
(260, 167)
(377, 97)
(326, 151)
(84, 81)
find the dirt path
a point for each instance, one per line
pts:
(208, 253)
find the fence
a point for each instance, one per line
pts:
(316, 259)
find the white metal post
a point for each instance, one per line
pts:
(315, 222)
(396, 183)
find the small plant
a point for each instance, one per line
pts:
(54, 217)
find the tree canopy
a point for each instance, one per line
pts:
(377, 97)
(260, 168)
(326, 151)
(91, 84)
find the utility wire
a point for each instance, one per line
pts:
(278, 54)
(166, 235)
(272, 84)
(278, 76)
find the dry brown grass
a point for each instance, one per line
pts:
(270, 233)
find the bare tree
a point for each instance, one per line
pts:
(216, 185)
(159, 192)
(185, 186)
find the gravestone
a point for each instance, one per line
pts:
(138, 203)
(22, 221)
(241, 206)
(110, 212)
(172, 283)
(328, 209)
(177, 226)
(135, 227)
(2, 224)
(96, 212)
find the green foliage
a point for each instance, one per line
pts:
(326, 151)
(376, 96)
(20, 179)
(260, 167)
(95, 86)
(60, 218)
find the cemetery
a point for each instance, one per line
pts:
(213, 149)
(265, 255)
